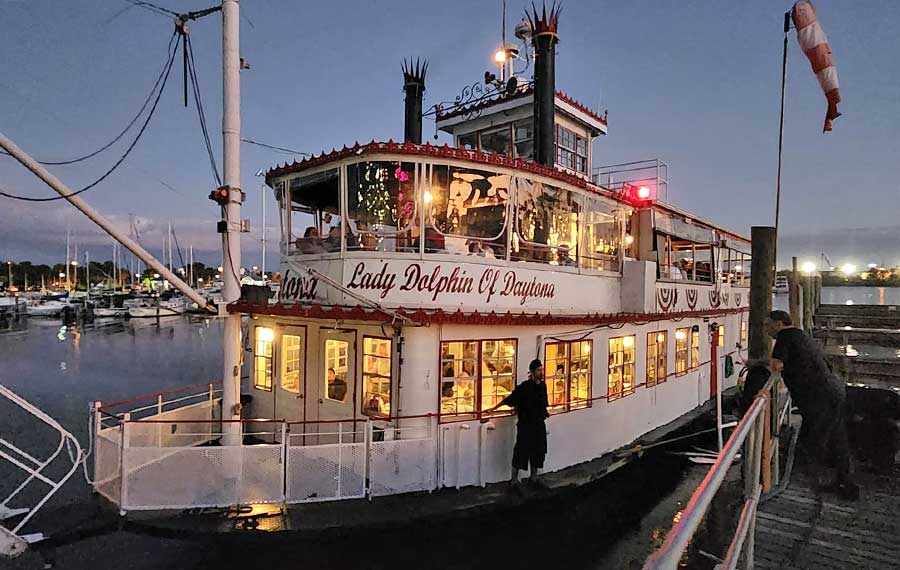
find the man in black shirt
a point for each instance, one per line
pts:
(820, 397)
(530, 401)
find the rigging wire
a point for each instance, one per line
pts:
(178, 248)
(121, 159)
(202, 116)
(122, 133)
(275, 148)
(152, 8)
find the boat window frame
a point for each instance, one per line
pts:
(569, 404)
(659, 375)
(390, 358)
(623, 393)
(477, 378)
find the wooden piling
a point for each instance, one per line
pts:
(794, 291)
(762, 277)
(807, 302)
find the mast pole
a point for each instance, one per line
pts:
(231, 238)
(263, 232)
(191, 268)
(68, 286)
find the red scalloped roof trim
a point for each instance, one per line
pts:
(444, 151)
(439, 316)
(581, 107)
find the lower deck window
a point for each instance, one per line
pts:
(262, 358)
(695, 349)
(376, 376)
(682, 352)
(657, 357)
(568, 370)
(621, 367)
(476, 375)
(337, 369)
(291, 351)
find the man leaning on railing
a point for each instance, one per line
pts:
(819, 395)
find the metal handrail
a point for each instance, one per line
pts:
(668, 556)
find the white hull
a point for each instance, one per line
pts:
(110, 312)
(48, 309)
(163, 311)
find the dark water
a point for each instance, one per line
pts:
(612, 524)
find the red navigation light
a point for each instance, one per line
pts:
(220, 195)
(637, 195)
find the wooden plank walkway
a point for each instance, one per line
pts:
(801, 529)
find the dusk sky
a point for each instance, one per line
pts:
(695, 83)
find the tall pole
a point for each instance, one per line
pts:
(68, 286)
(263, 232)
(191, 267)
(787, 27)
(231, 238)
(87, 272)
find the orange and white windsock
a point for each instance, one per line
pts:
(815, 45)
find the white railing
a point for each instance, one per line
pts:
(12, 543)
(165, 461)
(757, 433)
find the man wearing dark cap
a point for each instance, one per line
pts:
(819, 395)
(530, 401)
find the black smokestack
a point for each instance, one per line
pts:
(544, 35)
(413, 92)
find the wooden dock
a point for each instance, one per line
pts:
(801, 529)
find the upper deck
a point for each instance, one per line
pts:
(420, 226)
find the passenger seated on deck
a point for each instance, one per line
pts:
(562, 257)
(310, 242)
(337, 387)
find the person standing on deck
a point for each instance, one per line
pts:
(819, 395)
(530, 401)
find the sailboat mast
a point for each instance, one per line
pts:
(231, 238)
(68, 285)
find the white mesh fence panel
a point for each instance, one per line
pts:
(107, 481)
(325, 472)
(262, 476)
(181, 477)
(175, 434)
(403, 462)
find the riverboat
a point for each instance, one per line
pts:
(418, 281)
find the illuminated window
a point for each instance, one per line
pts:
(474, 373)
(262, 358)
(337, 370)
(381, 203)
(656, 357)
(468, 203)
(721, 335)
(547, 224)
(695, 349)
(600, 235)
(621, 367)
(682, 354)
(376, 376)
(291, 362)
(567, 366)
(743, 332)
